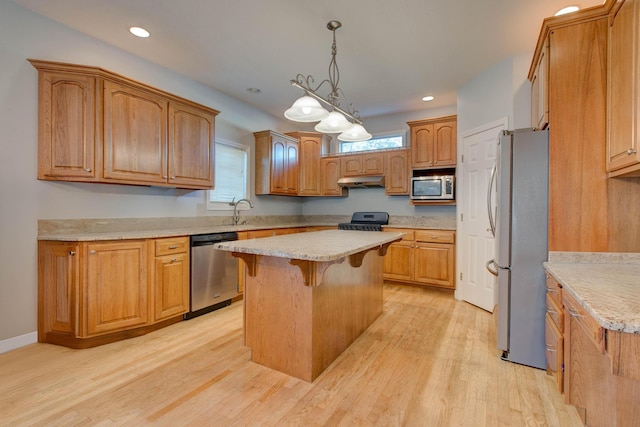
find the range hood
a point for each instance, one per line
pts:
(362, 181)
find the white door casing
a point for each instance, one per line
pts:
(475, 242)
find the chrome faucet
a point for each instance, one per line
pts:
(236, 214)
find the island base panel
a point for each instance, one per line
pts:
(300, 330)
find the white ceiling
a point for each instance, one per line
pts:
(390, 53)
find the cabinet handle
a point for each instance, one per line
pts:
(88, 169)
(551, 311)
(174, 259)
(552, 289)
(173, 177)
(574, 313)
(72, 253)
(165, 176)
(92, 252)
(631, 151)
(173, 247)
(550, 348)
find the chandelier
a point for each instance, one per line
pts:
(344, 121)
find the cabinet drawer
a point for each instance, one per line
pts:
(435, 236)
(173, 245)
(554, 349)
(408, 234)
(592, 328)
(554, 290)
(555, 312)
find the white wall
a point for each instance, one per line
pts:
(24, 199)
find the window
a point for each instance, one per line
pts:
(378, 142)
(231, 176)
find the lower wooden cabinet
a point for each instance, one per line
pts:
(92, 293)
(554, 332)
(424, 257)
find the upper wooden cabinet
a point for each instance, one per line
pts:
(433, 142)
(396, 178)
(97, 126)
(330, 173)
(310, 149)
(362, 164)
(276, 163)
(623, 158)
(540, 90)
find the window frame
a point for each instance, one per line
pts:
(380, 135)
(225, 206)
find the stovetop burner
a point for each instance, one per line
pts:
(366, 221)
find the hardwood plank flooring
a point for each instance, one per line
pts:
(429, 360)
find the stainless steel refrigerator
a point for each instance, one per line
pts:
(519, 218)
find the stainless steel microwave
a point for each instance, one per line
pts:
(432, 187)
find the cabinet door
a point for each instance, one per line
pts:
(622, 89)
(397, 173)
(66, 126)
(434, 264)
(351, 165)
(554, 343)
(135, 135)
(278, 166)
(116, 281)
(191, 146)
(445, 144)
(58, 279)
(292, 168)
(399, 261)
(330, 175)
(309, 168)
(539, 91)
(373, 164)
(171, 286)
(422, 142)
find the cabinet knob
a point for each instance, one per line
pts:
(550, 348)
(173, 247)
(88, 169)
(165, 176)
(574, 313)
(72, 253)
(92, 252)
(631, 151)
(173, 177)
(174, 259)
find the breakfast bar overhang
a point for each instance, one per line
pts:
(308, 296)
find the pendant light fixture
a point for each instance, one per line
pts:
(344, 121)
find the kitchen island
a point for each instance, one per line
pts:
(309, 296)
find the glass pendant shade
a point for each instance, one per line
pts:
(357, 133)
(306, 109)
(333, 123)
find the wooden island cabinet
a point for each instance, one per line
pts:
(97, 126)
(93, 293)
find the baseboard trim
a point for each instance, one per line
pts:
(17, 342)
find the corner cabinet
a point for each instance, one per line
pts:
(310, 149)
(623, 158)
(422, 257)
(97, 126)
(433, 142)
(276, 164)
(93, 293)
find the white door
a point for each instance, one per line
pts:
(475, 241)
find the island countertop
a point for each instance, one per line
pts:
(328, 245)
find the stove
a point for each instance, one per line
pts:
(366, 221)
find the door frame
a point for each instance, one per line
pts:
(460, 200)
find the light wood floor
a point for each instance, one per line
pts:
(427, 361)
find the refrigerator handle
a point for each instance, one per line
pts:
(491, 266)
(492, 222)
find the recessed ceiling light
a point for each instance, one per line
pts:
(428, 98)
(565, 10)
(253, 90)
(139, 32)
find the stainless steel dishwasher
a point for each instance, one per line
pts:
(214, 274)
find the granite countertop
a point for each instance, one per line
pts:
(607, 285)
(328, 245)
(152, 228)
